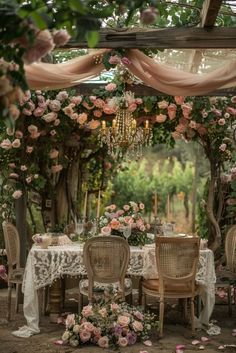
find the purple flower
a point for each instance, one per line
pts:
(132, 338)
(118, 330)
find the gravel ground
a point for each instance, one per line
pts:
(175, 333)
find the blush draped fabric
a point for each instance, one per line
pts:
(161, 77)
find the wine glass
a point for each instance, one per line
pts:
(79, 228)
(127, 231)
(93, 229)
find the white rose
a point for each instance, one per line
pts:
(66, 335)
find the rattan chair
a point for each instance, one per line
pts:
(177, 260)
(226, 277)
(106, 259)
(15, 272)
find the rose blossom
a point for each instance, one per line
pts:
(172, 111)
(231, 110)
(32, 129)
(38, 112)
(28, 180)
(54, 105)
(43, 44)
(66, 335)
(70, 320)
(97, 113)
(36, 176)
(76, 100)
(56, 168)
(14, 175)
(138, 101)
(16, 143)
(50, 117)
(106, 230)
(53, 153)
(115, 306)
(179, 100)
(11, 165)
(18, 134)
(23, 168)
(132, 107)
(76, 329)
(161, 118)
(29, 149)
(132, 338)
(97, 332)
(17, 194)
(114, 60)
(103, 342)
(60, 37)
(85, 336)
(223, 147)
(26, 112)
(87, 311)
(126, 207)
(82, 118)
(53, 132)
(9, 131)
(137, 326)
(115, 224)
(123, 320)
(221, 121)
(35, 135)
(88, 326)
(103, 312)
(122, 342)
(193, 124)
(62, 95)
(110, 87)
(138, 315)
(186, 109)
(30, 105)
(93, 124)
(163, 104)
(201, 130)
(99, 103)
(68, 110)
(57, 122)
(108, 110)
(88, 106)
(180, 128)
(141, 206)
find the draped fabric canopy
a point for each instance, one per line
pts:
(161, 77)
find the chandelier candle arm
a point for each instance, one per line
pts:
(98, 203)
(85, 204)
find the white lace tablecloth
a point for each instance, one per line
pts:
(46, 265)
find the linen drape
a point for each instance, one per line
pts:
(164, 78)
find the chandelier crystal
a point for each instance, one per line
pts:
(124, 137)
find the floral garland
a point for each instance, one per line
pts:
(108, 325)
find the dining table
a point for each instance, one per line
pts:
(45, 267)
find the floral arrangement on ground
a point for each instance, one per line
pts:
(114, 220)
(108, 325)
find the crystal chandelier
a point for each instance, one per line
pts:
(123, 136)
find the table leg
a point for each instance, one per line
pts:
(55, 300)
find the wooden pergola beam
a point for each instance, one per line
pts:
(86, 89)
(172, 38)
(210, 10)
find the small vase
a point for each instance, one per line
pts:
(46, 241)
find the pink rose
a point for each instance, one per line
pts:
(97, 113)
(88, 326)
(30, 105)
(181, 128)
(42, 44)
(110, 87)
(193, 124)
(88, 106)
(56, 168)
(9, 131)
(103, 312)
(176, 135)
(70, 320)
(32, 128)
(103, 342)
(106, 230)
(57, 122)
(85, 336)
(115, 224)
(28, 180)
(53, 153)
(123, 320)
(108, 110)
(60, 37)
(97, 332)
(179, 100)
(53, 132)
(92, 98)
(217, 112)
(68, 110)
(221, 121)
(11, 165)
(76, 100)
(82, 118)
(35, 135)
(172, 111)
(231, 110)
(17, 194)
(122, 342)
(114, 60)
(201, 130)
(132, 107)
(163, 104)
(186, 109)
(54, 105)
(126, 207)
(61, 96)
(161, 118)
(141, 206)
(50, 117)
(93, 124)
(87, 311)
(23, 168)
(14, 175)
(112, 207)
(26, 112)
(138, 101)
(223, 147)
(29, 149)
(18, 134)
(115, 307)
(138, 315)
(137, 326)
(99, 103)
(16, 143)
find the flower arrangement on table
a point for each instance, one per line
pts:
(108, 325)
(114, 219)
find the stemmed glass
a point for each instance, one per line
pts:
(79, 228)
(127, 231)
(93, 229)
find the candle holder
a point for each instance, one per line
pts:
(155, 225)
(97, 225)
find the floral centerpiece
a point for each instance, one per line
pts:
(108, 325)
(115, 219)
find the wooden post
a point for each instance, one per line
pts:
(55, 300)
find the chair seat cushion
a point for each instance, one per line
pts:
(16, 276)
(171, 289)
(100, 287)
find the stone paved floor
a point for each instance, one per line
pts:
(175, 333)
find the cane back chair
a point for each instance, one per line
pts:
(177, 260)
